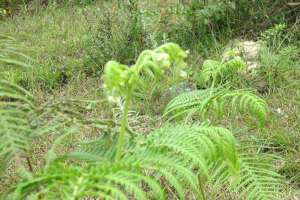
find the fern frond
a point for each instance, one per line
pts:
(219, 101)
(102, 148)
(215, 71)
(22, 120)
(10, 53)
(257, 179)
(210, 71)
(109, 180)
(16, 108)
(198, 144)
(168, 156)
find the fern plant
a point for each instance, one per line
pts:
(10, 53)
(174, 161)
(121, 80)
(163, 155)
(216, 98)
(23, 120)
(257, 181)
(16, 108)
(214, 72)
(220, 101)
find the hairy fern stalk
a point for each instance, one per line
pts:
(172, 162)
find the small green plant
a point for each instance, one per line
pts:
(216, 98)
(217, 72)
(278, 67)
(275, 36)
(121, 80)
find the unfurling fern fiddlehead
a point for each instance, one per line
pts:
(120, 80)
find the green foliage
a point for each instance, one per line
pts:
(163, 155)
(14, 63)
(23, 121)
(118, 35)
(215, 72)
(53, 77)
(274, 35)
(16, 107)
(172, 161)
(278, 67)
(194, 24)
(220, 102)
(121, 80)
(256, 177)
(68, 37)
(253, 16)
(10, 53)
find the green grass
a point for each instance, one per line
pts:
(54, 38)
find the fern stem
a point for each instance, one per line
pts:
(29, 163)
(213, 83)
(124, 125)
(201, 188)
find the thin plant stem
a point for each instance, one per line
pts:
(29, 163)
(201, 188)
(123, 128)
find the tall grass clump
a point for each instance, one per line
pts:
(116, 32)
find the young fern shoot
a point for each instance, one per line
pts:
(120, 81)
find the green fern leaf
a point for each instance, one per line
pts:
(16, 107)
(170, 153)
(257, 179)
(201, 101)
